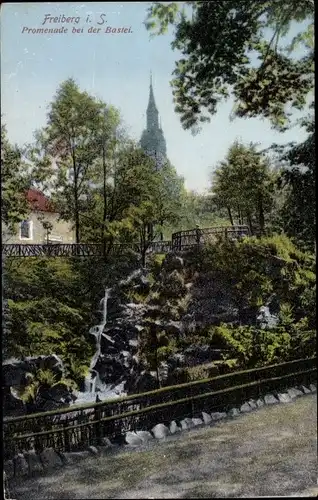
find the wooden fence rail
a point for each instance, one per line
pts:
(183, 240)
(79, 426)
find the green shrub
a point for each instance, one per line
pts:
(172, 285)
(154, 263)
(213, 369)
(253, 346)
(43, 379)
(254, 270)
(200, 372)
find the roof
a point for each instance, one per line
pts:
(39, 202)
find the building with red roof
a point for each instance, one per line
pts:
(39, 202)
(43, 225)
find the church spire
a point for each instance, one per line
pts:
(152, 112)
(152, 140)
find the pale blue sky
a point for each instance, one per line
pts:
(114, 67)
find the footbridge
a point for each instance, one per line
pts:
(180, 241)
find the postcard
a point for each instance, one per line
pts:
(158, 249)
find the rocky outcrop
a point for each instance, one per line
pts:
(18, 374)
(15, 372)
(52, 398)
(211, 301)
(118, 360)
(12, 404)
(169, 306)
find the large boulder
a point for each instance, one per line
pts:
(177, 360)
(173, 286)
(160, 431)
(52, 363)
(136, 280)
(132, 439)
(145, 382)
(172, 262)
(13, 406)
(15, 371)
(52, 398)
(50, 459)
(211, 301)
(265, 319)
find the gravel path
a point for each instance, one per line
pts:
(270, 452)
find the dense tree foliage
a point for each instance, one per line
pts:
(244, 184)
(14, 182)
(100, 180)
(238, 48)
(298, 213)
(257, 272)
(69, 146)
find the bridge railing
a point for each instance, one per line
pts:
(159, 247)
(64, 249)
(181, 240)
(192, 237)
(79, 426)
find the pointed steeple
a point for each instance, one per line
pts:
(152, 111)
(151, 94)
(152, 140)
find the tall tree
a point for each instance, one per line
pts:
(169, 196)
(298, 212)
(109, 136)
(238, 47)
(244, 184)
(71, 144)
(129, 181)
(14, 182)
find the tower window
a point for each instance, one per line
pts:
(26, 230)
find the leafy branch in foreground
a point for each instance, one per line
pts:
(225, 50)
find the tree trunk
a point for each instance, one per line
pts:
(75, 192)
(150, 232)
(77, 221)
(105, 203)
(249, 220)
(144, 231)
(143, 257)
(239, 213)
(230, 215)
(261, 215)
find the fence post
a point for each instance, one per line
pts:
(66, 437)
(98, 428)
(197, 234)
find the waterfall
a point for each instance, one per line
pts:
(93, 383)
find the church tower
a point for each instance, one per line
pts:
(152, 139)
